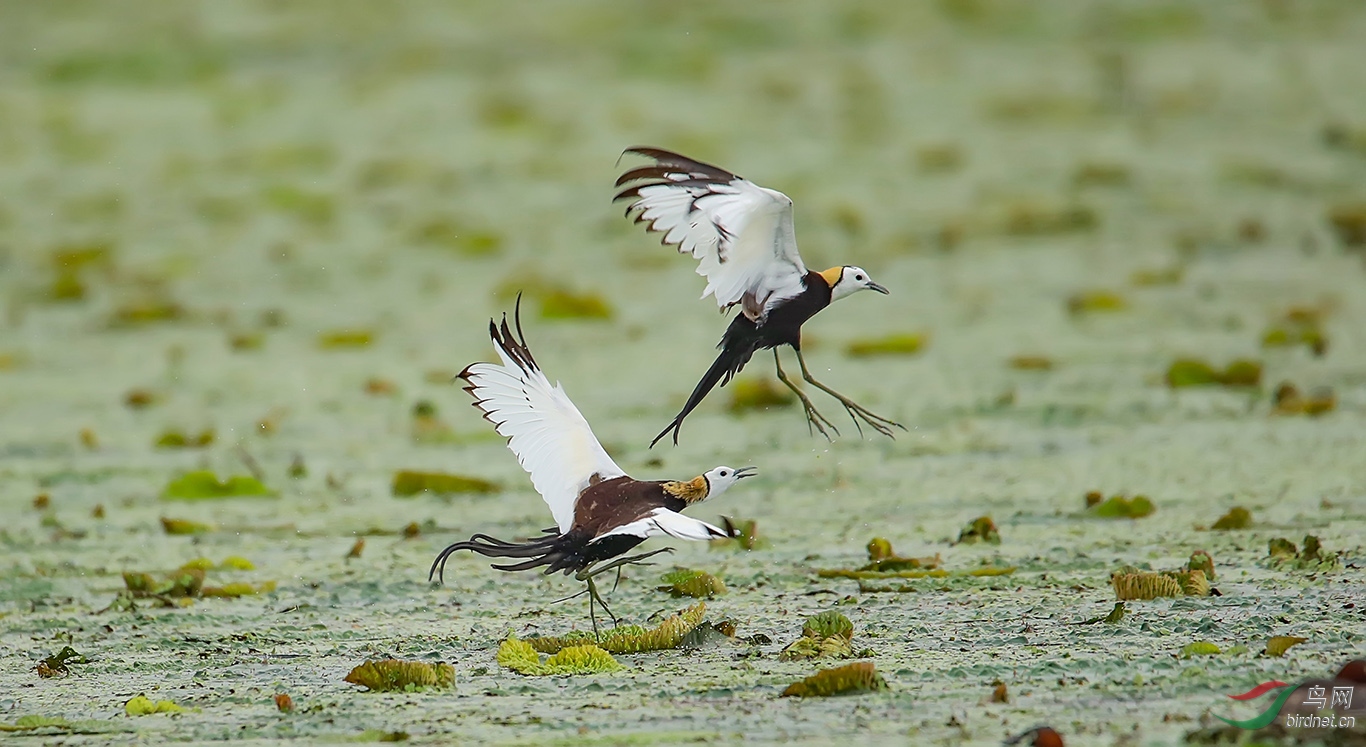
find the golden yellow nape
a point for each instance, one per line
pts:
(832, 275)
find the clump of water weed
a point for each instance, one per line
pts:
(1288, 400)
(145, 311)
(390, 675)
(464, 240)
(183, 582)
(1236, 518)
(758, 394)
(1119, 506)
(520, 657)
(184, 526)
(904, 343)
(1349, 223)
(563, 303)
(629, 639)
(828, 635)
(1033, 219)
(883, 559)
(1276, 646)
(1132, 584)
(204, 485)
(849, 679)
(57, 664)
(686, 582)
(411, 482)
(1301, 325)
(1202, 561)
(1186, 372)
(343, 339)
(1282, 553)
(1101, 174)
(1170, 275)
(142, 705)
(428, 428)
(177, 439)
(744, 535)
(1093, 301)
(1031, 363)
(980, 529)
(1199, 648)
(939, 158)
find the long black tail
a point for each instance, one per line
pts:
(548, 551)
(736, 351)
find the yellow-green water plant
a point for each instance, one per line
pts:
(520, 657)
(628, 639)
(204, 485)
(828, 635)
(859, 677)
(391, 674)
(411, 482)
(687, 582)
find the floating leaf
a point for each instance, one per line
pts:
(183, 440)
(1202, 561)
(1199, 648)
(1137, 585)
(412, 482)
(562, 303)
(141, 705)
(828, 624)
(238, 589)
(1121, 507)
(1278, 645)
(203, 485)
(520, 657)
(691, 583)
(237, 563)
(184, 526)
(629, 639)
(850, 678)
(56, 665)
(1116, 614)
(392, 674)
(909, 343)
(1089, 302)
(341, 339)
(1187, 372)
(758, 394)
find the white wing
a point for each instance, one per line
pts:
(740, 233)
(662, 521)
(549, 435)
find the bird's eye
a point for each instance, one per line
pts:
(725, 473)
(858, 277)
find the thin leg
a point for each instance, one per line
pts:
(586, 575)
(813, 416)
(855, 410)
(594, 596)
(619, 562)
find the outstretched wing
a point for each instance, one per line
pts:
(549, 435)
(740, 233)
(663, 522)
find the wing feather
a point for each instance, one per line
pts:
(549, 435)
(663, 522)
(740, 233)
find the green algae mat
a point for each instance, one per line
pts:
(245, 248)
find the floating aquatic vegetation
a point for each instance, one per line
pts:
(243, 341)
(357, 548)
(520, 657)
(97, 512)
(447, 234)
(202, 564)
(146, 311)
(999, 693)
(141, 705)
(1278, 645)
(137, 399)
(629, 639)
(1186, 372)
(237, 563)
(1300, 326)
(1116, 614)
(1131, 585)
(1093, 301)
(691, 583)
(1202, 561)
(284, 703)
(1159, 276)
(427, 428)
(1031, 363)
(905, 343)
(204, 485)
(744, 536)
(377, 387)
(57, 664)
(238, 589)
(1121, 507)
(851, 678)
(1349, 223)
(174, 439)
(391, 674)
(339, 339)
(883, 559)
(828, 624)
(1282, 553)
(1101, 174)
(310, 207)
(1032, 219)
(939, 158)
(828, 635)
(1199, 648)
(183, 582)
(411, 482)
(184, 526)
(66, 286)
(980, 529)
(758, 394)
(1236, 518)
(1289, 401)
(562, 303)
(88, 438)
(42, 501)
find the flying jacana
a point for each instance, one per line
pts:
(742, 236)
(600, 512)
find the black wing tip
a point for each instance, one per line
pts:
(670, 161)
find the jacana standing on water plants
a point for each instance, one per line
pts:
(600, 512)
(742, 236)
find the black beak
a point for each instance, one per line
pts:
(743, 472)
(878, 288)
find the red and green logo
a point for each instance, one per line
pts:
(1272, 711)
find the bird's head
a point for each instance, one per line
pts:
(721, 478)
(849, 279)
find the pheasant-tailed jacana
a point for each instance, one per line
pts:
(742, 236)
(600, 512)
